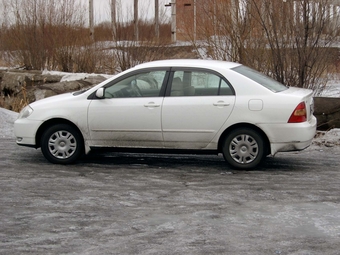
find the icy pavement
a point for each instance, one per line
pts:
(188, 204)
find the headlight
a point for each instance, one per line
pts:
(24, 113)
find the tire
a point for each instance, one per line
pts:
(62, 144)
(244, 148)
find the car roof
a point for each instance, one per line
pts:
(199, 63)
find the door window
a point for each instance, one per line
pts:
(199, 83)
(146, 84)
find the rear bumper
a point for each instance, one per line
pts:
(290, 146)
(290, 136)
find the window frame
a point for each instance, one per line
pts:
(197, 69)
(134, 73)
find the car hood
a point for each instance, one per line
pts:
(53, 100)
(67, 106)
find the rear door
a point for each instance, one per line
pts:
(197, 104)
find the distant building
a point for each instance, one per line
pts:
(199, 19)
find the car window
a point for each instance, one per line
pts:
(260, 78)
(199, 83)
(146, 84)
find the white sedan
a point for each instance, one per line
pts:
(177, 106)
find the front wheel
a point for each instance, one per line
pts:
(243, 148)
(62, 144)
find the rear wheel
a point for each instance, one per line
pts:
(62, 144)
(243, 148)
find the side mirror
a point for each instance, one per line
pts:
(100, 93)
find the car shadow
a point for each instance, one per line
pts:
(208, 163)
(176, 161)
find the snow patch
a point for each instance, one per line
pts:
(73, 76)
(329, 138)
(332, 88)
(7, 119)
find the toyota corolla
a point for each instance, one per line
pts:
(177, 106)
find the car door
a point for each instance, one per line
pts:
(129, 114)
(197, 104)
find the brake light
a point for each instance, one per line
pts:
(299, 114)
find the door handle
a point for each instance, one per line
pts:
(151, 104)
(221, 103)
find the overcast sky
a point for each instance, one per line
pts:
(125, 9)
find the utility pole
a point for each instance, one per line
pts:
(215, 18)
(91, 17)
(114, 19)
(135, 20)
(172, 4)
(195, 21)
(157, 19)
(173, 21)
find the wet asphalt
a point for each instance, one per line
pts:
(118, 203)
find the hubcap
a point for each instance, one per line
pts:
(243, 149)
(62, 144)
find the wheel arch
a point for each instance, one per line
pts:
(243, 125)
(50, 123)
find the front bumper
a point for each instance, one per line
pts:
(25, 131)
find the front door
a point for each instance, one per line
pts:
(129, 115)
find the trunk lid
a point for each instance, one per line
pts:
(302, 95)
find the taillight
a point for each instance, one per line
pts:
(299, 114)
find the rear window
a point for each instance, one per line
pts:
(260, 78)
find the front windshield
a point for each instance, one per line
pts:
(260, 78)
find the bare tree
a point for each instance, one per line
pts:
(299, 36)
(289, 40)
(129, 50)
(47, 34)
(54, 34)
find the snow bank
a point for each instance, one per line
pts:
(332, 89)
(329, 138)
(7, 119)
(74, 76)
